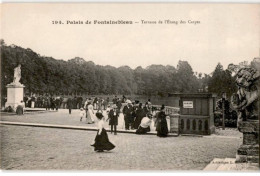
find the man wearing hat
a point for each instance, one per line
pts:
(113, 118)
(127, 111)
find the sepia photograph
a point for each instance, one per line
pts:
(130, 87)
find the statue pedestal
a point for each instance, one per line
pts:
(14, 94)
(249, 150)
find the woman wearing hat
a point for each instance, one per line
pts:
(113, 118)
(161, 127)
(90, 114)
(101, 140)
(139, 116)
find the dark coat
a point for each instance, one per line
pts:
(139, 116)
(113, 118)
(128, 111)
(69, 103)
(161, 127)
(146, 110)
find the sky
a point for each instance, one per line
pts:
(225, 33)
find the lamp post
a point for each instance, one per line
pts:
(224, 96)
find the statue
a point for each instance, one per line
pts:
(17, 74)
(15, 90)
(246, 99)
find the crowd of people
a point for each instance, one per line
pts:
(57, 102)
(137, 116)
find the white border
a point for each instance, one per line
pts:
(131, 1)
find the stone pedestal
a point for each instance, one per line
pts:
(249, 150)
(14, 94)
(174, 123)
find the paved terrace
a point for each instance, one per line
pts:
(36, 148)
(62, 118)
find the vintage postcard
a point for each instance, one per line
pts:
(130, 86)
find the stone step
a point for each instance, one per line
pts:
(247, 158)
(249, 150)
(214, 164)
(229, 164)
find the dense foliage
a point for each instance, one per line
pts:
(46, 75)
(222, 81)
(42, 74)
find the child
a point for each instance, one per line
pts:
(82, 113)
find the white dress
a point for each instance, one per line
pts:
(91, 114)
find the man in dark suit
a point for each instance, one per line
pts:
(127, 111)
(79, 102)
(113, 118)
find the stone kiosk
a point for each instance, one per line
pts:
(15, 90)
(196, 114)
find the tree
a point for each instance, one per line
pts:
(185, 78)
(222, 81)
(41, 74)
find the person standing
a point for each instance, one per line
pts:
(69, 104)
(95, 102)
(119, 104)
(146, 108)
(139, 116)
(107, 102)
(161, 127)
(100, 101)
(79, 102)
(149, 103)
(127, 111)
(33, 102)
(113, 118)
(57, 103)
(90, 114)
(25, 99)
(101, 140)
(52, 102)
(65, 103)
(104, 104)
(61, 101)
(74, 100)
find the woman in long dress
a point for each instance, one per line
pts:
(101, 140)
(139, 116)
(90, 114)
(161, 127)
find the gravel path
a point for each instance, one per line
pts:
(35, 148)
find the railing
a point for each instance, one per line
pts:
(190, 124)
(168, 109)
